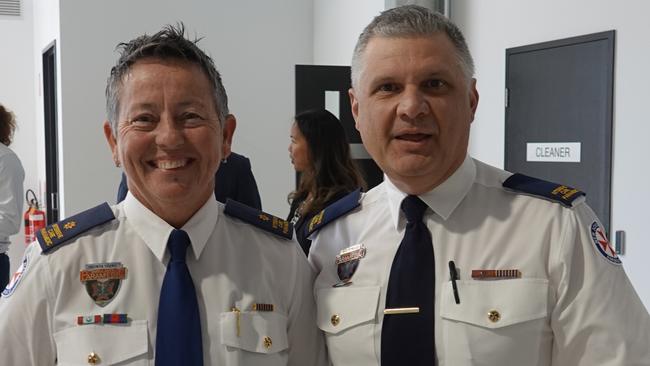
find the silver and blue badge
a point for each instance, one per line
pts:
(347, 262)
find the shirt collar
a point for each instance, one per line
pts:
(443, 199)
(155, 231)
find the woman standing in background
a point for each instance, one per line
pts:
(321, 153)
(12, 176)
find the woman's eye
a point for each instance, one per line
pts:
(192, 118)
(143, 120)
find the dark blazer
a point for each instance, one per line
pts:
(233, 180)
(302, 224)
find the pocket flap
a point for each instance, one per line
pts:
(495, 304)
(260, 332)
(111, 343)
(344, 307)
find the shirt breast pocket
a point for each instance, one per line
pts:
(103, 344)
(348, 316)
(496, 322)
(259, 338)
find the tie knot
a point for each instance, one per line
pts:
(177, 245)
(413, 208)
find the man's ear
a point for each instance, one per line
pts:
(112, 142)
(473, 98)
(354, 103)
(229, 126)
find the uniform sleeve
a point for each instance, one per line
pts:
(247, 192)
(306, 341)
(11, 194)
(25, 314)
(598, 319)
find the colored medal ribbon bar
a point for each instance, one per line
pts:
(105, 319)
(394, 311)
(480, 274)
(115, 319)
(90, 319)
(263, 307)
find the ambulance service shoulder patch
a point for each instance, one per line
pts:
(15, 279)
(602, 245)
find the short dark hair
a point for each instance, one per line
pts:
(7, 126)
(332, 170)
(168, 44)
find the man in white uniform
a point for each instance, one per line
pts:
(170, 275)
(450, 261)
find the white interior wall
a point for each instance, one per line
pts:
(337, 25)
(254, 44)
(492, 26)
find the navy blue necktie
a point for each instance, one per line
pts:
(178, 339)
(409, 339)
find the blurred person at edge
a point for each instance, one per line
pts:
(12, 176)
(451, 261)
(168, 276)
(320, 152)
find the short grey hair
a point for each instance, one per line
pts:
(411, 21)
(168, 44)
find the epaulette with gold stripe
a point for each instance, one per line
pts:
(334, 211)
(565, 195)
(259, 219)
(54, 235)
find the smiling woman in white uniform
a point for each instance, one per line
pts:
(170, 275)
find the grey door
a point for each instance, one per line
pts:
(559, 114)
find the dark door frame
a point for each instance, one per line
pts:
(50, 117)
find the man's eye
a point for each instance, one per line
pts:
(387, 88)
(434, 84)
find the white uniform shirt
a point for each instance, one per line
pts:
(12, 176)
(233, 264)
(571, 306)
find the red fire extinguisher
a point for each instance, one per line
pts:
(34, 218)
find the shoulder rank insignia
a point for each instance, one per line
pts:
(334, 211)
(556, 192)
(56, 234)
(259, 219)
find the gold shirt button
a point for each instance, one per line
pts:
(93, 358)
(494, 316)
(267, 342)
(335, 320)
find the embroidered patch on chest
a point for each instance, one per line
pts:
(602, 244)
(102, 281)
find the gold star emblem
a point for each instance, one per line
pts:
(69, 225)
(264, 217)
(316, 220)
